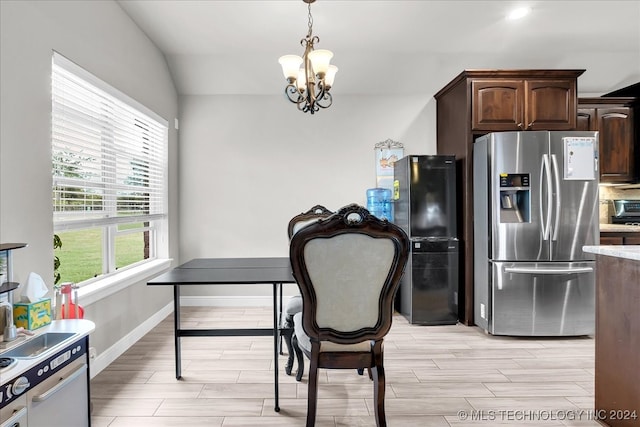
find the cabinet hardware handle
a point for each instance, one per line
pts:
(520, 125)
(525, 270)
(530, 125)
(47, 394)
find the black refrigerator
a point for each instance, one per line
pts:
(425, 208)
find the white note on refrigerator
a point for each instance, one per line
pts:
(580, 158)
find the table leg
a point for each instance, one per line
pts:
(279, 322)
(176, 328)
(276, 334)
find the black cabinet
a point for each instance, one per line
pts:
(429, 287)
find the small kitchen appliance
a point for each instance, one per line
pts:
(626, 212)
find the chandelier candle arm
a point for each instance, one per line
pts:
(310, 77)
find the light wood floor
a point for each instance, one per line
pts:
(436, 376)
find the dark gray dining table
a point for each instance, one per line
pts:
(229, 271)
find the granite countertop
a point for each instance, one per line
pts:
(618, 251)
(619, 228)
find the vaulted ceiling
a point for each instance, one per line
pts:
(389, 47)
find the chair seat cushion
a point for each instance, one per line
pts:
(325, 346)
(293, 306)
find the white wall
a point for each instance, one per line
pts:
(250, 163)
(101, 38)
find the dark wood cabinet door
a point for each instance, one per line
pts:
(616, 144)
(550, 104)
(497, 105)
(611, 240)
(586, 119)
(632, 240)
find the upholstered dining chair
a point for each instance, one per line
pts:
(294, 303)
(348, 267)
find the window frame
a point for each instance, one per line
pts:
(107, 219)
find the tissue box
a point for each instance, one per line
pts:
(32, 315)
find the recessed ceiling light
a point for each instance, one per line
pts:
(519, 13)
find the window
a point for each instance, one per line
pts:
(109, 157)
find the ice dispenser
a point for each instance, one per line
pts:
(515, 198)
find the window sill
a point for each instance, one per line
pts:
(99, 289)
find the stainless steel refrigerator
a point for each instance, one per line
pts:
(425, 208)
(535, 206)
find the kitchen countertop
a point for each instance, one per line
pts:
(618, 251)
(619, 228)
(80, 327)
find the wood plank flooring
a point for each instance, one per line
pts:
(437, 376)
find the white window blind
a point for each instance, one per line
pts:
(109, 153)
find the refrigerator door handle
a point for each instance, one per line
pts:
(556, 175)
(545, 172)
(530, 270)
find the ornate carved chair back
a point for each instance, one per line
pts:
(348, 267)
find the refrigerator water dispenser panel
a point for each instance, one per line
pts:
(515, 198)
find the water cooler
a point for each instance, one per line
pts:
(379, 203)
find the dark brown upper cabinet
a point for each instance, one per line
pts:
(500, 104)
(616, 120)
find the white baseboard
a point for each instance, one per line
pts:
(116, 350)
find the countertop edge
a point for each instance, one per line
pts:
(619, 228)
(618, 251)
(80, 327)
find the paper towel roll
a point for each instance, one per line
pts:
(35, 288)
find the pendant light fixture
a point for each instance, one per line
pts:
(310, 77)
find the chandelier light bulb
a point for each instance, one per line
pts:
(320, 61)
(330, 76)
(290, 65)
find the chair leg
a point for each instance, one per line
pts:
(287, 339)
(378, 395)
(361, 372)
(377, 371)
(299, 358)
(312, 394)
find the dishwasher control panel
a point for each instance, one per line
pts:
(19, 384)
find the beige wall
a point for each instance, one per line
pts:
(250, 163)
(100, 37)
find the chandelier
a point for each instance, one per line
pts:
(309, 78)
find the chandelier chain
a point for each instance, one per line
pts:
(310, 22)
